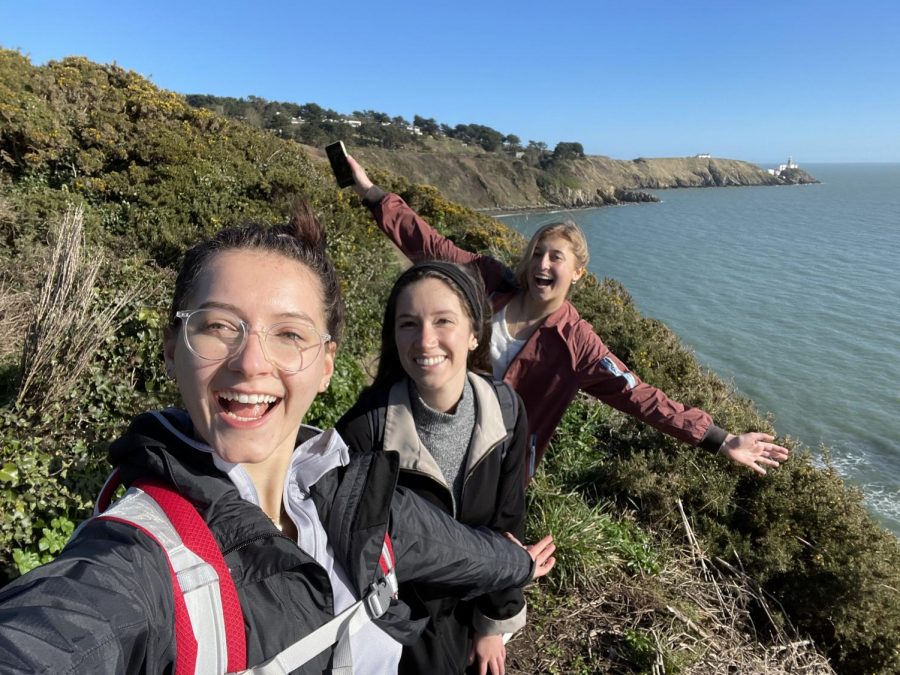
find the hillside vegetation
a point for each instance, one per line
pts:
(483, 168)
(675, 561)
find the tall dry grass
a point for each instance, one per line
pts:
(69, 322)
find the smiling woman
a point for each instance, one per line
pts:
(460, 437)
(434, 337)
(213, 385)
(306, 528)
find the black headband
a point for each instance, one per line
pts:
(463, 281)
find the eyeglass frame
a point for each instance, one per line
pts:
(184, 315)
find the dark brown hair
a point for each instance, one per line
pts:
(390, 369)
(302, 239)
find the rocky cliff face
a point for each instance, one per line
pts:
(491, 181)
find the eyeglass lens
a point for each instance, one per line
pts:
(216, 334)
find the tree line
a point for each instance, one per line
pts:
(312, 124)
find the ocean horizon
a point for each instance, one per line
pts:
(787, 292)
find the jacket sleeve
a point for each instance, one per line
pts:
(504, 611)
(603, 375)
(354, 427)
(103, 606)
(430, 546)
(419, 241)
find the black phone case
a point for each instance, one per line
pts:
(337, 157)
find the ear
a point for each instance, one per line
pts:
(328, 368)
(578, 274)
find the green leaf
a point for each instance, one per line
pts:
(9, 473)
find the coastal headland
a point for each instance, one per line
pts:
(492, 182)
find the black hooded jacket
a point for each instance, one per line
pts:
(105, 604)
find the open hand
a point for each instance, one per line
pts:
(541, 552)
(752, 450)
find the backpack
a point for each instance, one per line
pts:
(208, 615)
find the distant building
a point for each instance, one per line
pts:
(703, 155)
(784, 167)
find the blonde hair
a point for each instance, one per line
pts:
(566, 229)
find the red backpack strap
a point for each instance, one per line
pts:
(386, 560)
(113, 481)
(196, 535)
(185, 642)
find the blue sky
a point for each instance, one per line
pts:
(756, 81)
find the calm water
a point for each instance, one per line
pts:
(791, 292)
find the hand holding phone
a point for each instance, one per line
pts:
(337, 157)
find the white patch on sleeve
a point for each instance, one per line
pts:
(609, 365)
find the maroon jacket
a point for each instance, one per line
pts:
(562, 356)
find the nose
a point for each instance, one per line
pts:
(251, 358)
(427, 336)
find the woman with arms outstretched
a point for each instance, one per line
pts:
(544, 349)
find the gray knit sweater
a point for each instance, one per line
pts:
(446, 435)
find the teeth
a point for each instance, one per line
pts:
(247, 398)
(242, 419)
(430, 360)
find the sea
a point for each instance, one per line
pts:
(791, 293)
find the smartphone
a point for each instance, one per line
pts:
(337, 156)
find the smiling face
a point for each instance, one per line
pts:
(552, 269)
(434, 336)
(247, 410)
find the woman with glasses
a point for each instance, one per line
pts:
(301, 521)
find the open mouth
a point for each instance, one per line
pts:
(543, 282)
(246, 407)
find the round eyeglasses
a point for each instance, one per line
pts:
(217, 334)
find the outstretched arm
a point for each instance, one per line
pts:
(419, 240)
(604, 376)
(433, 547)
(104, 605)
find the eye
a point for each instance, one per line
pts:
(219, 327)
(405, 323)
(299, 336)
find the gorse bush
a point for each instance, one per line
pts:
(153, 175)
